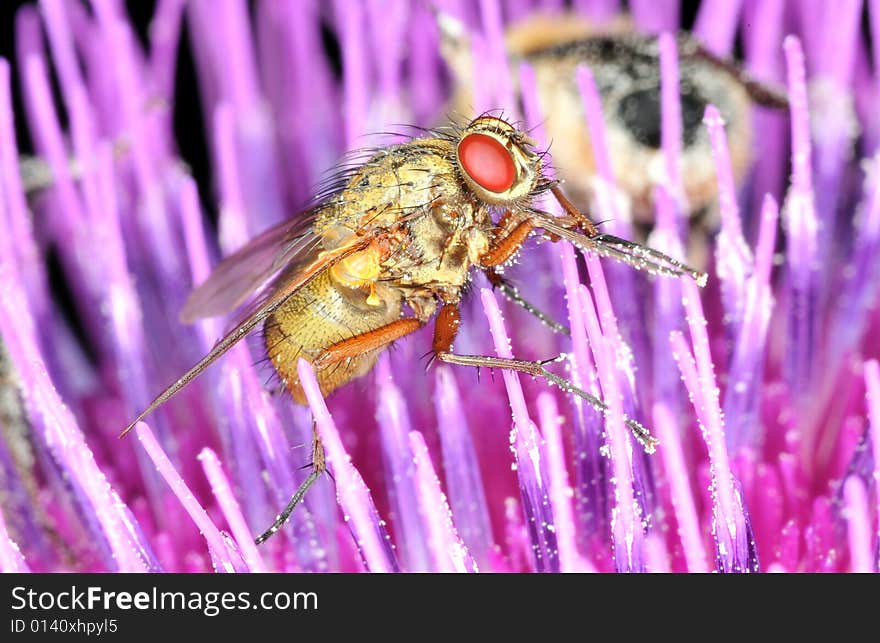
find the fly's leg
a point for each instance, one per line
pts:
(509, 236)
(338, 352)
(507, 242)
(577, 229)
(536, 369)
(583, 222)
(319, 466)
(444, 335)
(511, 293)
(366, 342)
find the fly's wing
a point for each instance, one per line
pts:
(304, 260)
(240, 274)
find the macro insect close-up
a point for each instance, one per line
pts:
(404, 228)
(439, 286)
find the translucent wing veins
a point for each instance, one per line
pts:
(240, 274)
(281, 290)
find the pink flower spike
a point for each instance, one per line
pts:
(352, 494)
(872, 383)
(595, 122)
(803, 229)
(858, 528)
(527, 446)
(50, 143)
(561, 492)
(657, 558)
(716, 24)
(490, 12)
(584, 369)
(410, 525)
(654, 16)
(742, 396)
(57, 24)
(234, 231)
(620, 354)
(734, 548)
(231, 510)
(164, 39)
(502, 349)
(626, 527)
(766, 240)
(56, 432)
(220, 553)
(671, 123)
(17, 226)
(461, 468)
(683, 356)
(449, 552)
(682, 498)
(11, 559)
(733, 258)
(532, 109)
(598, 10)
(356, 74)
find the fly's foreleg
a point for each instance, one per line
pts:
(507, 242)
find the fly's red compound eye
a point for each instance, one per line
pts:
(487, 162)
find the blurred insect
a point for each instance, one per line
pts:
(626, 68)
(402, 230)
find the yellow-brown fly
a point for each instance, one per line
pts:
(391, 246)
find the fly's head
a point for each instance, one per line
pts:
(498, 162)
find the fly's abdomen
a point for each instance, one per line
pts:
(323, 314)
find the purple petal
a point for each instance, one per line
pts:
(872, 383)
(733, 542)
(655, 16)
(733, 258)
(626, 516)
(11, 559)
(449, 552)
(858, 524)
(527, 446)
(367, 529)
(802, 224)
(561, 492)
(225, 559)
(462, 469)
(683, 503)
(401, 471)
(716, 24)
(231, 510)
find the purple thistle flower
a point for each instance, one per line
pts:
(763, 389)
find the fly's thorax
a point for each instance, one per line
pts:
(427, 229)
(439, 249)
(395, 184)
